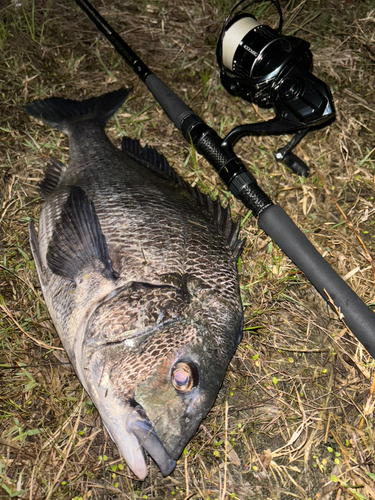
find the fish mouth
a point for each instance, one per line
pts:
(139, 425)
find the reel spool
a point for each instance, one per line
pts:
(260, 65)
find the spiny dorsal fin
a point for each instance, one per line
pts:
(151, 157)
(77, 240)
(222, 216)
(55, 170)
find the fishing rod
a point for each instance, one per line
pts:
(271, 218)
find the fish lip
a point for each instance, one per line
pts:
(139, 424)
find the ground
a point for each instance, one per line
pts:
(295, 416)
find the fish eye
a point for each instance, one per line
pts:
(184, 376)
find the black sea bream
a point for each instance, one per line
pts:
(138, 270)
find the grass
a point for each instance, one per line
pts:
(295, 416)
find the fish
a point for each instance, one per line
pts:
(139, 274)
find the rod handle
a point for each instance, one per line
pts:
(356, 314)
(175, 107)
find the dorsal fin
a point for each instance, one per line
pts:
(151, 157)
(77, 240)
(159, 163)
(222, 217)
(55, 170)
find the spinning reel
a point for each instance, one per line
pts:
(260, 65)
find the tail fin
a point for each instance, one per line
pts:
(63, 113)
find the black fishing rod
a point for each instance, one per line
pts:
(357, 316)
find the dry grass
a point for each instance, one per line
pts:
(295, 416)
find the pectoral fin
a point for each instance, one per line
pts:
(78, 240)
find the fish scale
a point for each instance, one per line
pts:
(138, 270)
(175, 252)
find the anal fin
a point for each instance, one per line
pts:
(34, 244)
(55, 170)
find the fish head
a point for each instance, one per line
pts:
(154, 380)
(181, 389)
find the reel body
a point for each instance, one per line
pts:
(260, 65)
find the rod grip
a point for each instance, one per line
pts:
(356, 314)
(175, 107)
